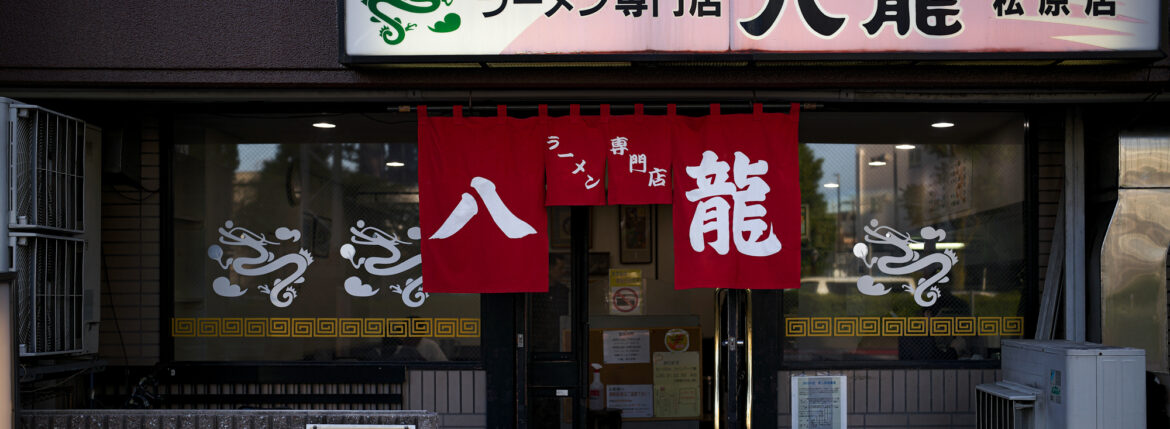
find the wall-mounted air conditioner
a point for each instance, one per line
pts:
(51, 199)
(1051, 384)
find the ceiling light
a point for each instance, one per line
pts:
(942, 124)
(904, 146)
(324, 124)
(395, 164)
(877, 161)
(832, 185)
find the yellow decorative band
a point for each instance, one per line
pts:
(310, 327)
(902, 326)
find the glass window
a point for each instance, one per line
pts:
(299, 243)
(915, 242)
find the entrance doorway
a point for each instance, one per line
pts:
(614, 341)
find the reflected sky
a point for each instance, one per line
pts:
(839, 159)
(253, 156)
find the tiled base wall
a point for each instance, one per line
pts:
(219, 419)
(901, 398)
(459, 397)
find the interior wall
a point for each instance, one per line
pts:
(660, 297)
(130, 262)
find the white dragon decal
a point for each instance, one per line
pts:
(412, 292)
(926, 293)
(265, 262)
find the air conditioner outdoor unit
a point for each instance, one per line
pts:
(1049, 384)
(49, 222)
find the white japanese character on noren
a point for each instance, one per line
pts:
(553, 142)
(657, 177)
(714, 214)
(619, 145)
(580, 168)
(638, 159)
(512, 226)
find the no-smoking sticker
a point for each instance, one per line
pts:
(626, 300)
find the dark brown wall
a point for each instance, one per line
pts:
(267, 43)
(139, 34)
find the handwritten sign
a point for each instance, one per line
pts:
(676, 384)
(631, 346)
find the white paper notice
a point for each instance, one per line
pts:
(626, 346)
(634, 400)
(818, 402)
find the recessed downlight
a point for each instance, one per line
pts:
(324, 124)
(395, 164)
(832, 185)
(942, 124)
(904, 146)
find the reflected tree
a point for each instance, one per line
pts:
(817, 250)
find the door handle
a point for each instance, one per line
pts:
(729, 343)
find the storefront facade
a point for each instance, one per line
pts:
(216, 115)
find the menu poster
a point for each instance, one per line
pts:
(633, 399)
(630, 346)
(818, 402)
(676, 384)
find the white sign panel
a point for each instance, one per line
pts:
(635, 400)
(428, 28)
(819, 402)
(632, 346)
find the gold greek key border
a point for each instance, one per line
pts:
(310, 327)
(902, 326)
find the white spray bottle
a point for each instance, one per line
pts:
(596, 389)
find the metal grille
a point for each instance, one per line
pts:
(49, 271)
(47, 170)
(1002, 411)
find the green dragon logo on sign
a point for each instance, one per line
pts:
(394, 30)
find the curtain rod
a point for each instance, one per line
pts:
(405, 108)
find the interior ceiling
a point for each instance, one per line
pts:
(904, 127)
(376, 127)
(815, 127)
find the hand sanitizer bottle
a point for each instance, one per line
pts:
(596, 390)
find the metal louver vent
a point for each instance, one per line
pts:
(1000, 406)
(45, 228)
(47, 170)
(49, 273)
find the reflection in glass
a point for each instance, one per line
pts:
(245, 206)
(915, 248)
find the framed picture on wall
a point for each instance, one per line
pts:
(559, 234)
(635, 234)
(560, 231)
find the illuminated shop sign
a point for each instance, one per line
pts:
(435, 30)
